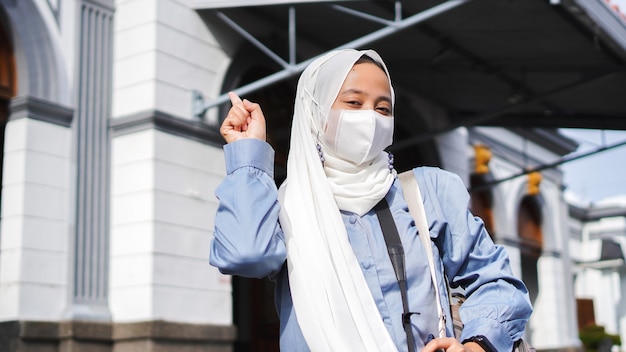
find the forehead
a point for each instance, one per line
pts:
(367, 77)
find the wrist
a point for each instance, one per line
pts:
(480, 342)
(473, 347)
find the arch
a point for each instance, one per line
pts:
(7, 87)
(529, 224)
(7, 62)
(481, 202)
(40, 63)
(529, 229)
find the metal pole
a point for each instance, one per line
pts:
(400, 25)
(292, 35)
(292, 70)
(363, 15)
(253, 40)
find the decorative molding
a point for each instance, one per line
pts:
(159, 329)
(552, 254)
(606, 234)
(108, 5)
(550, 139)
(108, 337)
(41, 110)
(164, 122)
(592, 213)
(511, 242)
(601, 264)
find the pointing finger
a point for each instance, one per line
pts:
(234, 99)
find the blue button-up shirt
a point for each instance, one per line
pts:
(249, 242)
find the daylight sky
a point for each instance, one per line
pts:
(620, 3)
(602, 175)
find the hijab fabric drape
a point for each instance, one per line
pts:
(333, 304)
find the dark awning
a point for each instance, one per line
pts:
(530, 63)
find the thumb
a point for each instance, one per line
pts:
(256, 124)
(254, 109)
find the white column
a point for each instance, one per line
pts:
(453, 147)
(162, 221)
(546, 325)
(34, 229)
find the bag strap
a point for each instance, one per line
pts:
(413, 198)
(396, 254)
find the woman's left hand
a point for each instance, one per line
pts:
(450, 344)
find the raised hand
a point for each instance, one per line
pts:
(244, 120)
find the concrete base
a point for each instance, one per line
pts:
(150, 336)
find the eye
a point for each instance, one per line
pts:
(353, 103)
(384, 110)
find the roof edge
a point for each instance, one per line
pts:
(548, 138)
(222, 4)
(598, 14)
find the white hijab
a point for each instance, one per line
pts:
(333, 304)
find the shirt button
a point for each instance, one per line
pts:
(366, 264)
(387, 321)
(352, 219)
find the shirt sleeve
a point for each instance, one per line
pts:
(248, 240)
(497, 305)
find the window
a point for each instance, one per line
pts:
(7, 90)
(531, 241)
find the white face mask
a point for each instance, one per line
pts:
(358, 136)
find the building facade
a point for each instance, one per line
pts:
(597, 242)
(108, 180)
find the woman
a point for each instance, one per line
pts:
(320, 239)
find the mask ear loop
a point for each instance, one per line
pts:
(317, 104)
(318, 146)
(319, 149)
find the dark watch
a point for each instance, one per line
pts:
(482, 342)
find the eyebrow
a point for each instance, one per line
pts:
(357, 91)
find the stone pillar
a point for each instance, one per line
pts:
(90, 245)
(163, 206)
(35, 207)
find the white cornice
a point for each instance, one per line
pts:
(218, 4)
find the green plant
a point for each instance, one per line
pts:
(594, 337)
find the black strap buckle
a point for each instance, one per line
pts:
(406, 317)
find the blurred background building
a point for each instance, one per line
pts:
(111, 153)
